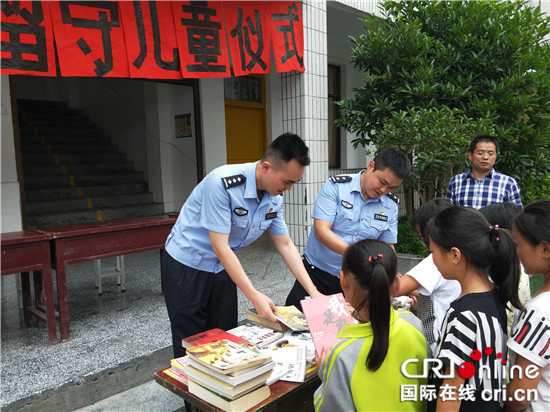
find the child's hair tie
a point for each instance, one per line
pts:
(493, 233)
(376, 259)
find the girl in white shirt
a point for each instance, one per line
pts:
(529, 340)
(435, 292)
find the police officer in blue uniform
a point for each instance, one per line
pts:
(229, 209)
(349, 209)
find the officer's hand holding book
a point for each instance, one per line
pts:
(264, 306)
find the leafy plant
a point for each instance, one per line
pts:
(407, 240)
(436, 141)
(487, 59)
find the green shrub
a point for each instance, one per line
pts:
(488, 59)
(408, 241)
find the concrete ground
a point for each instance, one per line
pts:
(117, 339)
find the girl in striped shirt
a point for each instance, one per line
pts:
(472, 347)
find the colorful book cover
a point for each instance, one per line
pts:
(226, 356)
(179, 363)
(292, 317)
(326, 316)
(176, 375)
(256, 335)
(208, 336)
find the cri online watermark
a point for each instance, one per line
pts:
(467, 370)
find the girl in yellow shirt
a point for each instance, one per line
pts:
(363, 371)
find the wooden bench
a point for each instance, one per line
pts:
(86, 242)
(26, 251)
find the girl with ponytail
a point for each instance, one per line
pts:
(363, 371)
(483, 259)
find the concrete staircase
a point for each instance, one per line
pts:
(72, 172)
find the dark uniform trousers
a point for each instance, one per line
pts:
(323, 281)
(196, 300)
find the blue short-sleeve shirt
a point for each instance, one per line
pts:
(225, 201)
(352, 219)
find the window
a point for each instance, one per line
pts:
(243, 88)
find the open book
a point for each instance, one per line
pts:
(326, 316)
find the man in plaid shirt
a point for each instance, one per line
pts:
(482, 185)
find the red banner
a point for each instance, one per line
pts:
(201, 38)
(150, 39)
(27, 39)
(89, 38)
(248, 36)
(287, 35)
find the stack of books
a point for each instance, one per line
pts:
(228, 375)
(232, 369)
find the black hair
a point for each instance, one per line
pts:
(397, 161)
(427, 211)
(376, 280)
(484, 248)
(533, 222)
(483, 138)
(286, 147)
(501, 214)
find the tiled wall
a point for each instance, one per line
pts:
(304, 108)
(304, 99)
(368, 6)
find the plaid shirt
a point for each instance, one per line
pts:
(466, 190)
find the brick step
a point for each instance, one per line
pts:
(72, 170)
(26, 105)
(88, 216)
(61, 124)
(66, 115)
(84, 203)
(74, 158)
(77, 169)
(36, 182)
(91, 149)
(42, 194)
(59, 131)
(33, 139)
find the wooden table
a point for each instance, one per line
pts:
(285, 396)
(26, 251)
(82, 243)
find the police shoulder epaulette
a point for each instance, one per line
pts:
(340, 179)
(232, 181)
(393, 197)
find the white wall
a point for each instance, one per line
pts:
(177, 157)
(10, 200)
(274, 114)
(213, 123)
